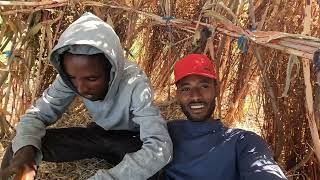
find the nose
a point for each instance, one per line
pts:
(195, 94)
(82, 87)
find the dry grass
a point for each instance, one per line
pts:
(72, 170)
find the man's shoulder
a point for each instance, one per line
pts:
(238, 131)
(131, 68)
(132, 72)
(245, 136)
(242, 135)
(242, 131)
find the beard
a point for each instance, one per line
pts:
(205, 117)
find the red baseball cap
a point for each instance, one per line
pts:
(194, 64)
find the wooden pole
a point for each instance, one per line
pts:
(309, 96)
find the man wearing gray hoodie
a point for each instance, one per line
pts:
(128, 129)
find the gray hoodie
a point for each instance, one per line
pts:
(127, 105)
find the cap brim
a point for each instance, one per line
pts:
(196, 73)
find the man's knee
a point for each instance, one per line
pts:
(7, 157)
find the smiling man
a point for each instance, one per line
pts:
(127, 130)
(204, 149)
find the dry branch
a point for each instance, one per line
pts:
(309, 95)
(23, 3)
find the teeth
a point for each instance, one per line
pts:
(196, 106)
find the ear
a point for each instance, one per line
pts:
(216, 88)
(177, 96)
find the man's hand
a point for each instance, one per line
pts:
(22, 166)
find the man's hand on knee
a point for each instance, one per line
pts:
(23, 165)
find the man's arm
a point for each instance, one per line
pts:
(156, 150)
(255, 160)
(45, 111)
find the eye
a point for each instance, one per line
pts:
(205, 86)
(184, 89)
(70, 77)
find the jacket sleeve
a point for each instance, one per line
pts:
(255, 160)
(156, 150)
(45, 111)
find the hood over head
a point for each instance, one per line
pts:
(90, 35)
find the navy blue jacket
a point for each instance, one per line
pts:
(210, 151)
